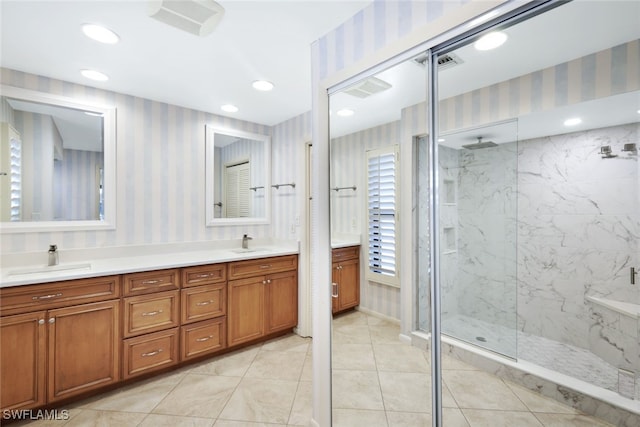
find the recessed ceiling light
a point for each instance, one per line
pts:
(441, 140)
(229, 108)
(262, 85)
(573, 121)
(345, 112)
(100, 34)
(490, 41)
(638, 111)
(94, 75)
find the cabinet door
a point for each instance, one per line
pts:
(349, 284)
(22, 360)
(83, 348)
(281, 304)
(245, 310)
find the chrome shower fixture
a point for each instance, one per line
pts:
(480, 144)
(630, 148)
(606, 153)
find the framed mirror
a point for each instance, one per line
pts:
(57, 163)
(238, 177)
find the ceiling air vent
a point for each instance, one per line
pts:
(368, 87)
(199, 17)
(444, 61)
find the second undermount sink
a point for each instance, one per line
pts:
(50, 269)
(246, 250)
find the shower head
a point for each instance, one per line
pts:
(478, 145)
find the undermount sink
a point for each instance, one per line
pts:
(246, 250)
(49, 269)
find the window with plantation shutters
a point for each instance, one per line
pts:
(236, 195)
(382, 215)
(10, 174)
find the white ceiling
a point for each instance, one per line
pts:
(260, 39)
(570, 31)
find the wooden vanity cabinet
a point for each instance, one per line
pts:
(60, 340)
(346, 278)
(204, 310)
(262, 298)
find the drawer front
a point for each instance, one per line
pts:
(349, 252)
(149, 313)
(151, 281)
(203, 302)
(257, 267)
(23, 299)
(203, 275)
(150, 352)
(203, 338)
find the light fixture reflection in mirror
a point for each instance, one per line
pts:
(58, 163)
(237, 177)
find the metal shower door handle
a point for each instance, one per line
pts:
(633, 274)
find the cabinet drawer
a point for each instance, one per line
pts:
(203, 338)
(256, 267)
(149, 313)
(349, 252)
(150, 352)
(203, 302)
(151, 281)
(203, 275)
(23, 299)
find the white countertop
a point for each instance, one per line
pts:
(344, 240)
(30, 268)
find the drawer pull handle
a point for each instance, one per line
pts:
(152, 353)
(334, 290)
(151, 282)
(152, 313)
(265, 266)
(204, 338)
(204, 302)
(203, 276)
(59, 294)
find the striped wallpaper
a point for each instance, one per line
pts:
(160, 172)
(75, 184)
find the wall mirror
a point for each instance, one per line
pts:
(57, 163)
(238, 177)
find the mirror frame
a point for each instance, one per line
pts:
(109, 146)
(210, 132)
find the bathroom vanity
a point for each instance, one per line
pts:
(64, 338)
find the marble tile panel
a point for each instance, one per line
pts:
(353, 356)
(497, 418)
(198, 396)
(283, 365)
(480, 390)
(233, 364)
(400, 358)
(93, 418)
(536, 402)
(261, 400)
(302, 409)
(156, 420)
(358, 418)
(356, 390)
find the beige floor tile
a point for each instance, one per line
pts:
(91, 418)
(351, 334)
(385, 333)
(353, 356)
(451, 363)
(198, 396)
(480, 390)
(281, 365)
(539, 403)
(492, 418)
(408, 419)
(356, 390)
(230, 423)
(307, 368)
(400, 358)
(231, 365)
(60, 418)
(302, 410)
(406, 392)
(138, 397)
(359, 418)
(291, 342)
(453, 417)
(350, 318)
(157, 420)
(570, 420)
(261, 400)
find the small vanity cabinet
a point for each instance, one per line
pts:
(204, 310)
(345, 263)
(58, 340)
(151, 307)
(263, 297)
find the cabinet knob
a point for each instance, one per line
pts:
(41, 322)
(52, 320)
(268, 280)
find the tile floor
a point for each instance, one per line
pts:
(378, 381)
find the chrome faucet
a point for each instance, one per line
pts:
(53, 255)
(245, 241)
